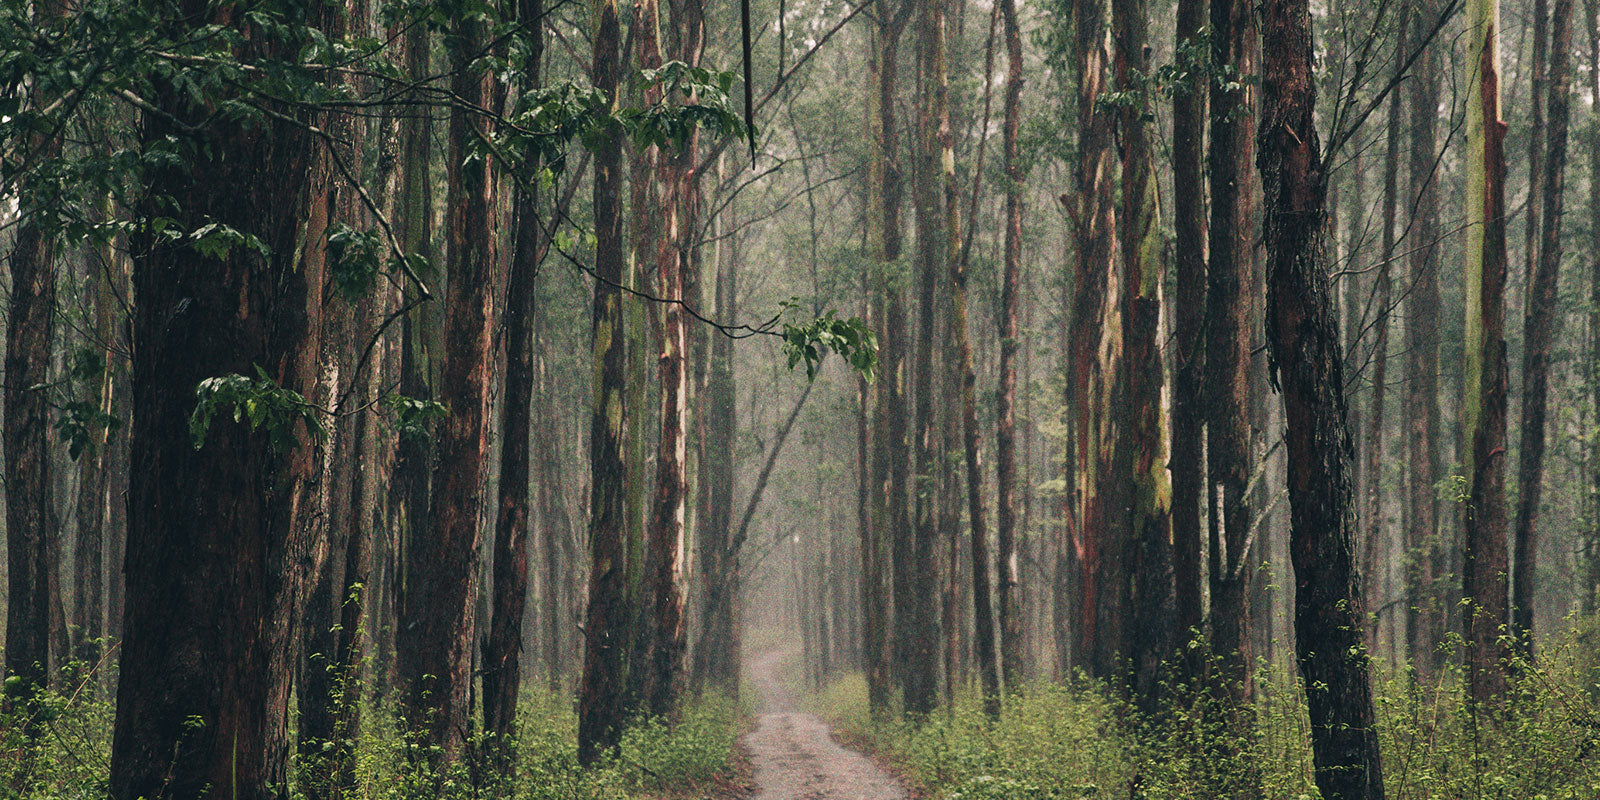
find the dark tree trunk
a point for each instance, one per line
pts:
(1303, 341)
(434, 643)
(1484, 406)
(1188, 406)
(1006, 558)
(222, 541)
(502, 649)
(1541, 328)
(1147, 635)
(1229, 313)
(609, 613)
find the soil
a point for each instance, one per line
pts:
(795, 756)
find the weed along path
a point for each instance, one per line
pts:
(796, 758)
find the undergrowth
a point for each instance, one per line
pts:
(71, 756)
(1078, 741)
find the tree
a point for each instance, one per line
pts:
(1303, 341)
(600, 710)
(1541, 327)
(1229, 314)
(1006, 557)
(221, 541)
(1148, 625)
(1187, 463)
(1484, 407)
(1420, 400)
(502, 648)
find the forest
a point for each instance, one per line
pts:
(799, 399)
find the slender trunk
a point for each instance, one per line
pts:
(502, 648)
(1006, 558)
(1188, 406)
(1484, 405)
(1592, 20)
(609, 615)
(1425, 614)
(1303, 337)
(1541, 328)
(1229, 311)
(1372, 506)
(223, 539)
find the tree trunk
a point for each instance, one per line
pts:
(1424, 467)
(1592, 14)
(1148, 632)
(1006, 558)
(222, 539)
(1484, 406)
(609, 615)
(1541, 328)
(434, 645)
(1094, 379)
(1188, 405)
(502, 648)
(1229, 311)
(1303, 337)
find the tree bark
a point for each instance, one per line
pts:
(1303, 341)
(1484, 407)
(609, 614)
(1424, 468)
(222, 539)
(1541, 328)
(1187, 461)
(434, 645)
(1011, 621)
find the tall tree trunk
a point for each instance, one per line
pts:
(30, 519)
(1425, 614)
(1148, 633)
(609, 615)
(1188, 405)
(1094, 379)
(1229, 311)
(502, 648)
(1592, 21)
(1541, 327)
(222, 539)
(1303, 341)
(1484, 404)
(1006, 557)
(1371, 516)
(434, 645)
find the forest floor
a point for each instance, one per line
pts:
(794, 753)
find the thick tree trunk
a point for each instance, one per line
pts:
(609, 614)
(1303, 341)
(1188, 405)
(1007, 564)
(1541, 328)
(1148, 633)
(434, 645)
(222, 540)
(1095, 382)
(1592, 22)
(1484, 406)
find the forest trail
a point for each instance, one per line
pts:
(795, 756)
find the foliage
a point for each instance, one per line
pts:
(1076, 741)
(411, 417)
(260, 401)
(809, 341)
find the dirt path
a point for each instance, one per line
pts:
(794, 756)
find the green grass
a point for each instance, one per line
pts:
(71, 759)
(1077, 742)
